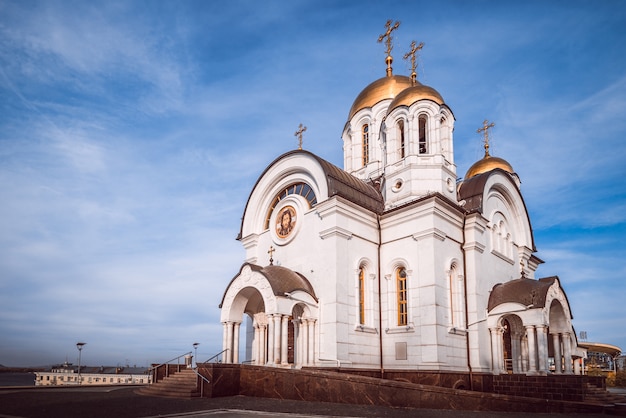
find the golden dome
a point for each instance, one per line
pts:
(414, 93)
(488, 163)
(382, 89)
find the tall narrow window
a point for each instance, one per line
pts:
(401, 140)
(457, 302)
(423, 148)
(365, 152)
(362, 295)
(403, 315)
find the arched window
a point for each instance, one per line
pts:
(423, 146)
(362, 295)
(300, 188)
(403, 314)
(401, 140)
(365, 144)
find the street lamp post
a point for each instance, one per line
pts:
(195, 352)
(80, 349)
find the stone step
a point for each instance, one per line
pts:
(183, 384)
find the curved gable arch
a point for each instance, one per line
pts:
(501, 195)
(293, 167)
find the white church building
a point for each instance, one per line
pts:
(391, 262)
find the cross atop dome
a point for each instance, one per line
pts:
(485, 130)
(412, 53)
(387, 35)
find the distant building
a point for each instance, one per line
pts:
(67, 374)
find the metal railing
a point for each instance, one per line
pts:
(154, 369)
(204, 379)
(216, 356)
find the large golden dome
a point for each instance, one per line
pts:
(414, 93)
(488, 163)
(382, 89)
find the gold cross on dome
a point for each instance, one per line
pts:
(271, 253)
(299, 132)
(485, 129)
(412, 53)
(387, 35)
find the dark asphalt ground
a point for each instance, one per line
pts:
(123, 402)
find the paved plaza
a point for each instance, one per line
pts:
(123, 402)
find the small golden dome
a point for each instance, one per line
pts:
(414, 93)
(382, 89)
(488, 163)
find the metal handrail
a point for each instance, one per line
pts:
(204, 379)
(154, 368)
(218, 354)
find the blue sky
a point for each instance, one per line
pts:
(131, 134)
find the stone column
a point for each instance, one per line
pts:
(516, 353)
(270, 340)
(255, 345)
(577, 366)
(263, 345)
(229, 344)
(304, 342)
(224, 341)
(556, 342)
(542, 348)
(567, 352)
(496, 351)
(532, 349)
(311, 341)
(284, 343)
(276, 319)
(236, 327)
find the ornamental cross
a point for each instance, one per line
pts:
(387, 35)
(271, 253)
(485, 129)
(299, 132)
(412, 53)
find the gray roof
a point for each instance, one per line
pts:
(527, 292)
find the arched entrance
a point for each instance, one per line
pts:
(282, 317)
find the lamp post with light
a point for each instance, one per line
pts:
(195, 352)
(80, 349)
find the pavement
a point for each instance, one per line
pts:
(123, 402)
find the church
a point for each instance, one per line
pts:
(395, 261)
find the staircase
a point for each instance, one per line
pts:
(183, 384)
(613, 404)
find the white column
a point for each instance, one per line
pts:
(311, 342)
(255, 345)
(542, 348)
(224, 341)
(276, 319)
(567, 352)
(263, 345)
(556, 342)
(284, 343)
(496, 356)
(577, 366)
(516, 353)
(270, 340)
(304, 339)
(532, 349)
(296, 343)
(236, 342)
(229, 344)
